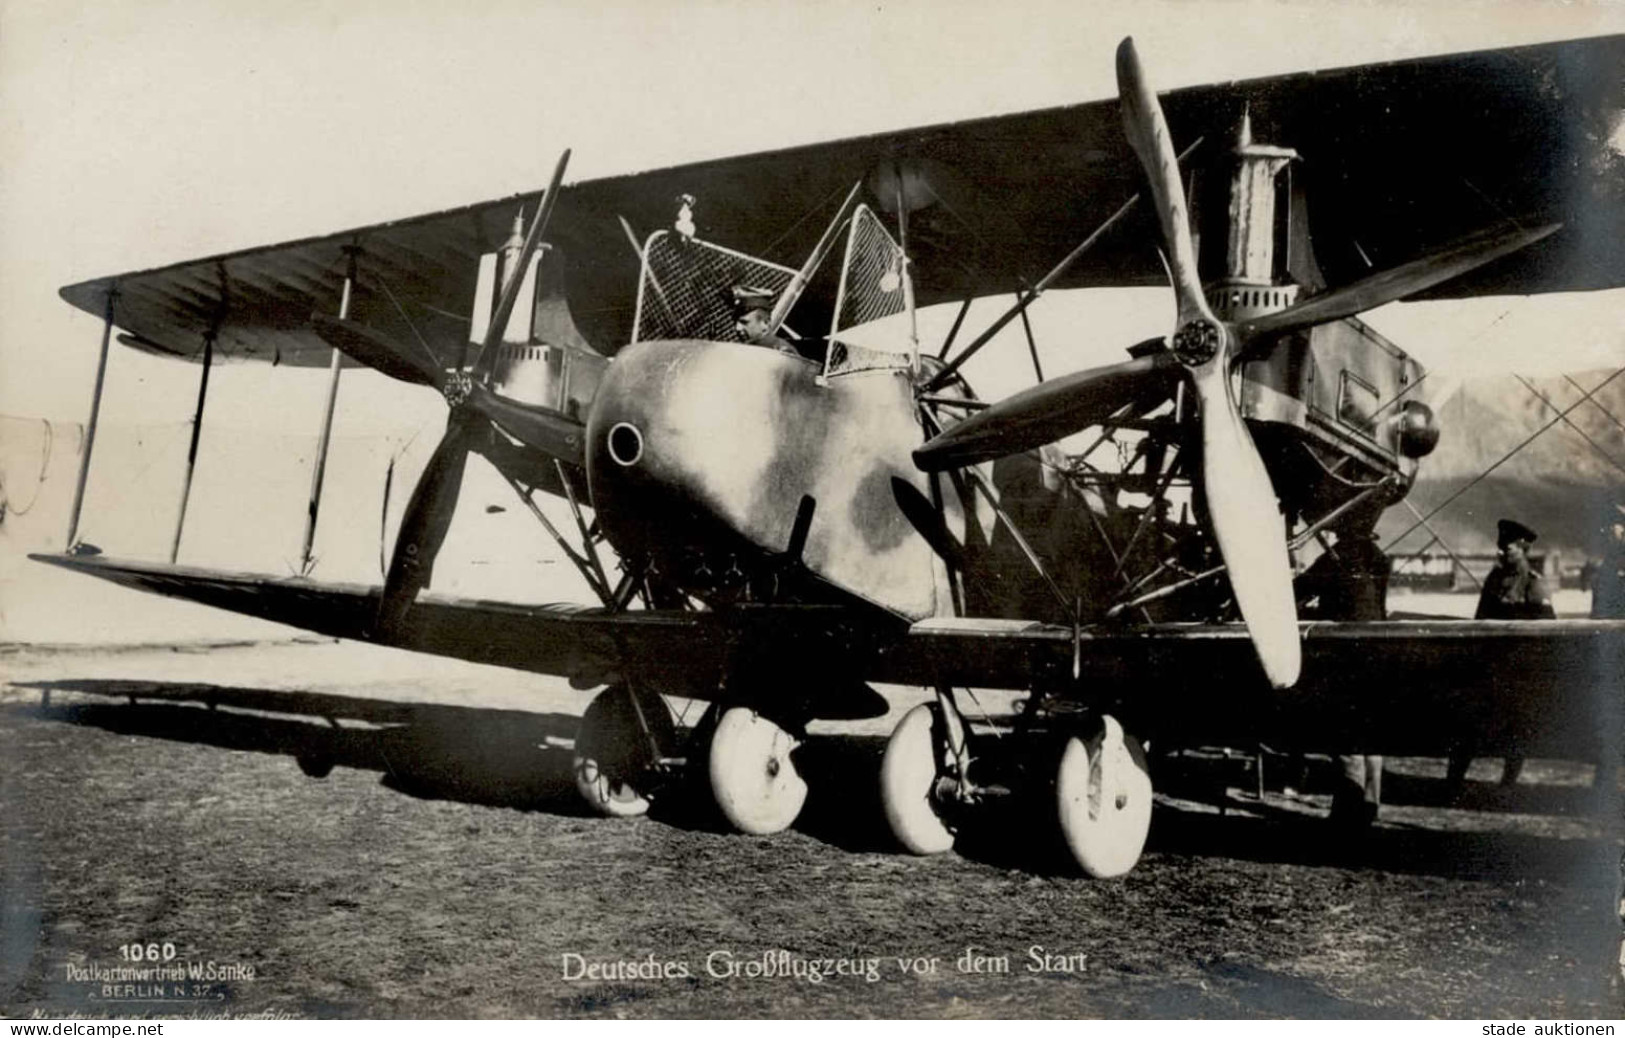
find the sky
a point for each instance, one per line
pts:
(135, 134)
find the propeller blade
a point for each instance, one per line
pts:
(926, 517)
(427, 518)
(1248, 528)
(537, 427)
(1240, 499)
(516, 276)
(1147, 133)
(1386, 286)
(376, 350)
(1047, 412)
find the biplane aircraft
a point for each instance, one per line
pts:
(771, 531)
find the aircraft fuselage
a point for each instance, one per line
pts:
(701, 455)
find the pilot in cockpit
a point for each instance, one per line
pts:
(753, 311)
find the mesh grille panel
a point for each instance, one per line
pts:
(685, 292)
(872, 281)
(846, 358)
(871, 289)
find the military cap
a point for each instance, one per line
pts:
(1509, 530)
(745, 298)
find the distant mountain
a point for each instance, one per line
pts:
(1558, 484)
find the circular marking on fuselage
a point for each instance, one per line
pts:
(625, 444)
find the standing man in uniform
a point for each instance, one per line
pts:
(1512, 591)
(1350, 582)
(1608, 580)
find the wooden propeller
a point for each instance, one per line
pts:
(1246, 519)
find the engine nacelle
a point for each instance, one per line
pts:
(542, 359)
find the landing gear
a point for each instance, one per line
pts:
(752, 774)
(923, 777)
(316, 764)
(618, 748)
(1103, 798)
(628, 747)
(1097, 788)
(909, 777)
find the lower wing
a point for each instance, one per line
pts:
(1402, 686)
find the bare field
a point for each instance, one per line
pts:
(446, 869)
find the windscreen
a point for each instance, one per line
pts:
(871, 290)
(687, 284)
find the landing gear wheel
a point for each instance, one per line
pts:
(752, 776)
(909, 775)
(315, 764)
(613, 760)
(1103, 792)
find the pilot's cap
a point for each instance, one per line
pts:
(745, 298)
(1509, 530)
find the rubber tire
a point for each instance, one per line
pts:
(1103, 798)
(908, 775)
(753, 778)
(611, 758)
(316, 765)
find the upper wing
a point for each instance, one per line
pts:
(1398, 159)
(415, 285)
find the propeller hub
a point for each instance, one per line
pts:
(1197, 341)
(458, 386)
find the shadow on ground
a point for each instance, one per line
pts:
(497, 758)
(513, 759)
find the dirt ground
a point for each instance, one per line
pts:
(446, 869)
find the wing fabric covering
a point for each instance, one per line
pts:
(1397, 686)
(677, 652)
(1402, 686)
(1400, 160)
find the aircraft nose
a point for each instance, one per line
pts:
(681, 435)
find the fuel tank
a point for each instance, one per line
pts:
(707, 451)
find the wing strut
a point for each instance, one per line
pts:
(792, 292)
(908, 283)
(1389, 547)
(95, 414)
(1025, 299)
(590, 569)
(197, 432)
(1298, 540)
(981, 484)
(588, 549)
(335, 367)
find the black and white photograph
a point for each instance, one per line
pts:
(745, 509)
